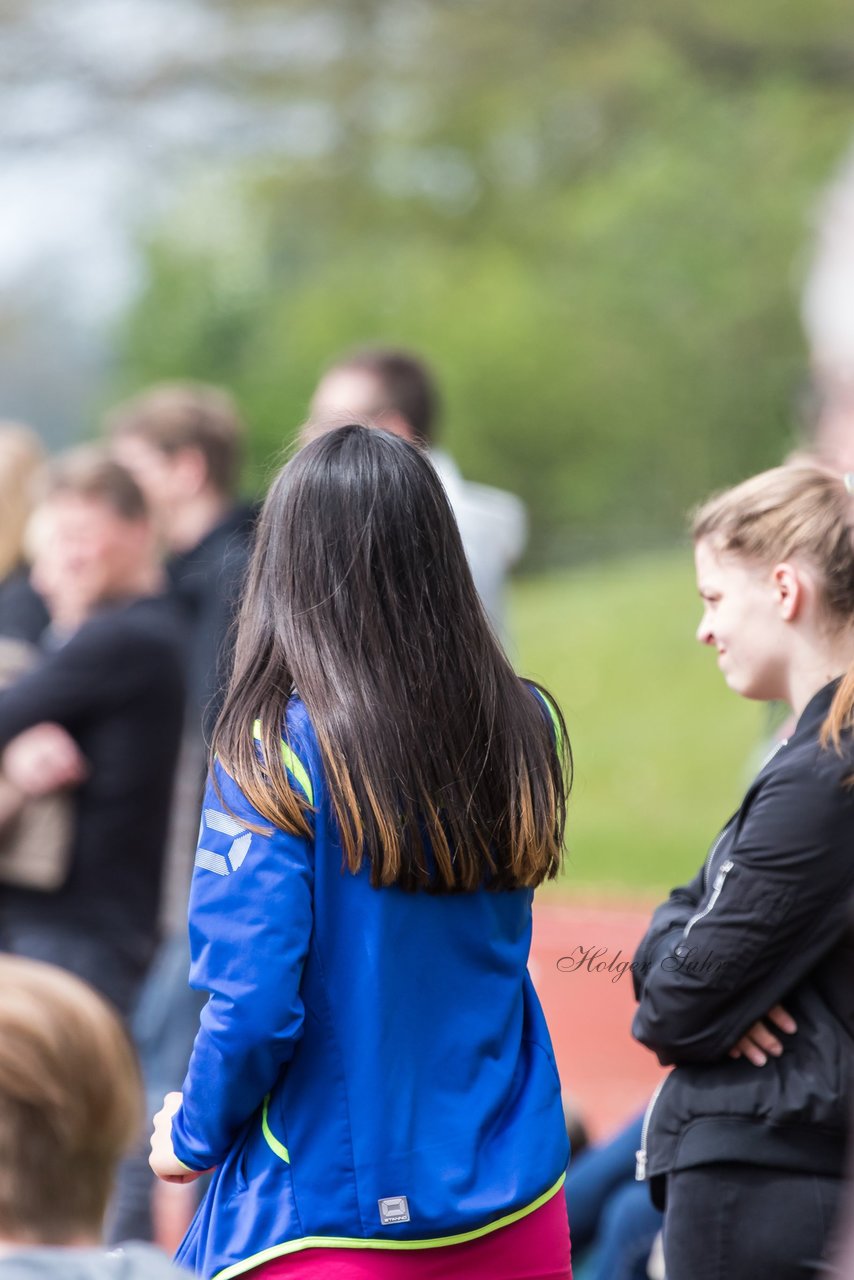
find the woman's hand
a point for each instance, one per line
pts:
(163, 1160)
(757, 1043)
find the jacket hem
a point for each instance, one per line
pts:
(351, 1242)
(731, 1139)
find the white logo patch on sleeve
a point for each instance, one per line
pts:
(227, 854)
(393, 1209)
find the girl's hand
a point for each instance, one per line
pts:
(163, 1160)
(757, 1043)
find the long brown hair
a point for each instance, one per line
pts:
(443, 769)
(800, 509)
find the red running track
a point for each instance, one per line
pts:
(577, 961)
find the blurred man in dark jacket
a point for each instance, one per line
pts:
(183, 442)
(101, 712)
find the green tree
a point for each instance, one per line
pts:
(589, 217)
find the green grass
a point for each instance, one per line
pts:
(663, 749)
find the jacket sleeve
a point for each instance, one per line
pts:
(777, 905)
(665, 930)
(104, 665)
(250, 925)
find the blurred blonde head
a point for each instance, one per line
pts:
(70, 1104)
(21, 458)
(92, 539)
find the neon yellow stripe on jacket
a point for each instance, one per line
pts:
(550, 707)
(348, 1242)
(270, 1138)
(292, 763)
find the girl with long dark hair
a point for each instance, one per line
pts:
(373, 1079)
(744, 977)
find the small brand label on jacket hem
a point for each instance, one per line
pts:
(393, 1209)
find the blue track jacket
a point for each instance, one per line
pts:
(373, 1068)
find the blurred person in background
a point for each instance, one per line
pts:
(184, 444)
(37, 824)
(744, 976)
(101, 711)
(35, 829)
(23, 614)
(69, 1106)
(396, 390)
(611, 1219)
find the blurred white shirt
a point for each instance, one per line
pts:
(494, 529)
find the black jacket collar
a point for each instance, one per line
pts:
(815, 712)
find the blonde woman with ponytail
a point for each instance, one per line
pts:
(744, 977)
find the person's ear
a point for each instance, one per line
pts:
(790, 590)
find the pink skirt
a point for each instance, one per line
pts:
(534, 1248)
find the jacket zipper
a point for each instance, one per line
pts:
(712, 853)
(723, 872)
(641, 1154)
(784, 742)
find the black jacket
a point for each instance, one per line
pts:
(117, 687)
(206, 583)
(766, 921)
(23, 613)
